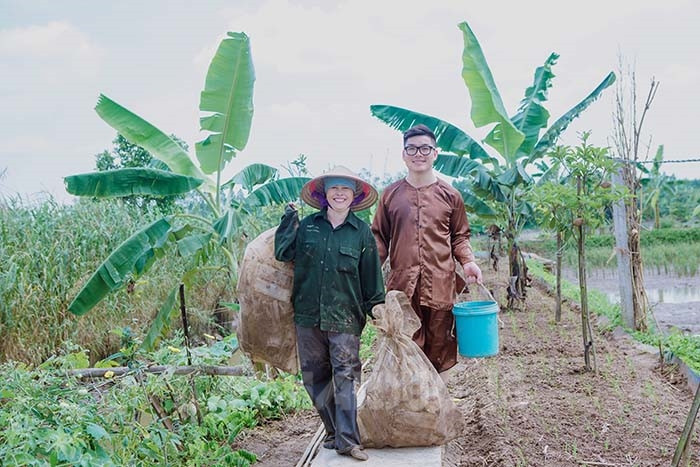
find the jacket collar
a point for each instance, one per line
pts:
(352, 219)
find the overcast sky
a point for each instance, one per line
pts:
(319, 65)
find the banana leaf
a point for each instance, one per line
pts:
(523, 174)
(485, 185)
(455, 166)
(551, 136)
(158, 164)
(510, 177)
(191, 244)
(130, 181)
(475, 204)
(228, 95)
(138, 131)
(254, 174)
(161, 322)
(284, 190)
(487, 106)
(227, 225)
(449, 137)
(131, 258)
(532, 116)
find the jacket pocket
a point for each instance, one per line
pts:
(308, 251)
(348, 260)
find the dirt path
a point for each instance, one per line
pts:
(532, 405)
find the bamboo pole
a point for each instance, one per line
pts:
(211, 370)
(684, 441)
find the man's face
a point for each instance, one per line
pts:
(424, 151)
(340, 197)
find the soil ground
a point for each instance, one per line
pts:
(534, 405)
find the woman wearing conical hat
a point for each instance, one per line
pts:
(337, 282)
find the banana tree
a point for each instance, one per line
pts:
(655, 185)
(227, 106)
(496, 185)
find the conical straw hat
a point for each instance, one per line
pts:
(314, 195)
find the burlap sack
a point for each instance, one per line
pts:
(405, 402)
(266, 328)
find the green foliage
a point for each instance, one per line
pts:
(580, 192)
(666, 250)
(212, 227)
(45, 249)
(668, 236)
(682, 259)
(49, 419)
(125, 155)
(686, 347)
(367, 339)
(494, 188)
(682, 208)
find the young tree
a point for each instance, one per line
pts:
(585, 195)
(552, 198)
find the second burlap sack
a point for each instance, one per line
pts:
(266, 330)
(405, 401)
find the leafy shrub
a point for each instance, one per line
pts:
(47, 418)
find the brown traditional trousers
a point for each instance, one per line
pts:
(436, 336)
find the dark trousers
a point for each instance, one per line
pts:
(330, 364)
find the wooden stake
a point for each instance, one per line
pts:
(684, 441)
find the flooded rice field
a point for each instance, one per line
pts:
(674, 298)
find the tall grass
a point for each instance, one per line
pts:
(667, 251)
(47, 251)
(681, 259)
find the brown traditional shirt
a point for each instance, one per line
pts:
(422, 231)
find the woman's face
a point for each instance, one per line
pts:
(340, 197)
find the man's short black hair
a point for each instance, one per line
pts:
(418, 130)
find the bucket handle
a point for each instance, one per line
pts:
(483, 289)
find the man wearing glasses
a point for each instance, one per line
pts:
(421, 225)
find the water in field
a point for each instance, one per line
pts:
(674, 298)
(660, 288)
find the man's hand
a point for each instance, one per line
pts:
(472, 273)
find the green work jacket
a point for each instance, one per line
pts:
(337, 274)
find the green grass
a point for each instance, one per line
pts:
(673, 258)
(367, 339)
(665, 250)
(663, 236)
(47, 251)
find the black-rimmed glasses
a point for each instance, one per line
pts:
(424, 150)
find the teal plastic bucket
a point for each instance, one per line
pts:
(477, 328)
